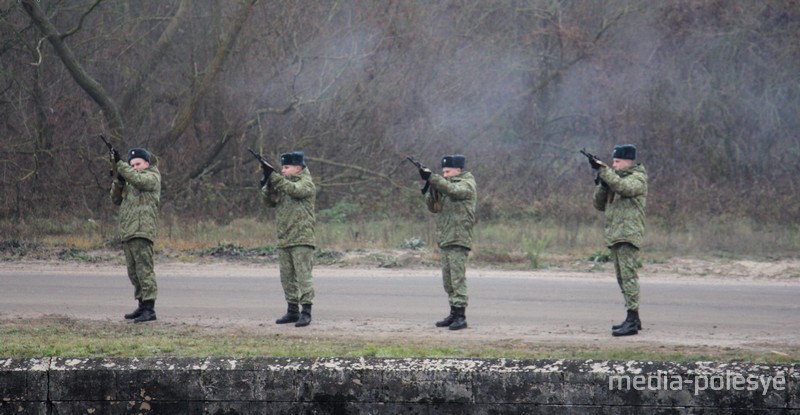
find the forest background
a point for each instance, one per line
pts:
(708, 90)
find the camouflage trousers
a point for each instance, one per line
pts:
(454, 274)
(296, 263)
(625, 256)
(139, 258)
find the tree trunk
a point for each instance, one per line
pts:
(187, 110)
(92, 87)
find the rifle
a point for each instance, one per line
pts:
(111, 151)
(420, 166)
(265, 165)
(264, 162)
(594, 160)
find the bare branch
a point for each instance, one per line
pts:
(91, 86)
(158, 52)
(80, 21)
(223, 51)
(358, 169)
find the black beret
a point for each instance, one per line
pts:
(140, 153)
(295, 158)
(625, 151)
(454, 160)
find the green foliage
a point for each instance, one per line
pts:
(384, 260)
(16, 248)
(415, 244)
(327, 256)
(226, 249)
(74, 254)
(603, 255)
(534, 249)
(339, 212)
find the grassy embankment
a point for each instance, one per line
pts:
(60, 336)
(510, 244)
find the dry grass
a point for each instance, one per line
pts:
(499, 242)
(62, 336)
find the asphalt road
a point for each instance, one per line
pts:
(523, 306)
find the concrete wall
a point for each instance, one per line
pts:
(392, 386)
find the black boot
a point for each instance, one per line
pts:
(292, 315)
(631, 314)
(460, 320)
(447, 321)
(305, 316)
(148, 312)
(630, 326)
(135, 313)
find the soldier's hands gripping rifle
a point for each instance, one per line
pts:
(424, 173)
(114, 157)
(595, 163)
(266, 166)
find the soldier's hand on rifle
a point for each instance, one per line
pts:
(120, 179)
(115, 157)
(598, 180)
(595, 163)
(266, 171)
(425, 173)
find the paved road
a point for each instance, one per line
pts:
(518, 306)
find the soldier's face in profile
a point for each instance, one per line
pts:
(450, 171)
(139, 164)
(288, 169)
(621, 163)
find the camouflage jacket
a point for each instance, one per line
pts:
(294, 197)
(139, 200)
(624, 203)
(454, 199)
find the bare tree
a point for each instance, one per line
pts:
(706, 89)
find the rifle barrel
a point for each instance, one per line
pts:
(108, 143)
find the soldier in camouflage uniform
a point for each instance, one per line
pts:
(293, 194)
(137, 192)
(453, 196)
(622, 194)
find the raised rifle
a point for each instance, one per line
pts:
(596, 164)
(420, 166)
(266, 166)
(111, 152)
(264, 162)
(593, 159)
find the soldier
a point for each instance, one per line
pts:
(293, 193)
(453, 196)
(138, 192)
(622, 194)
